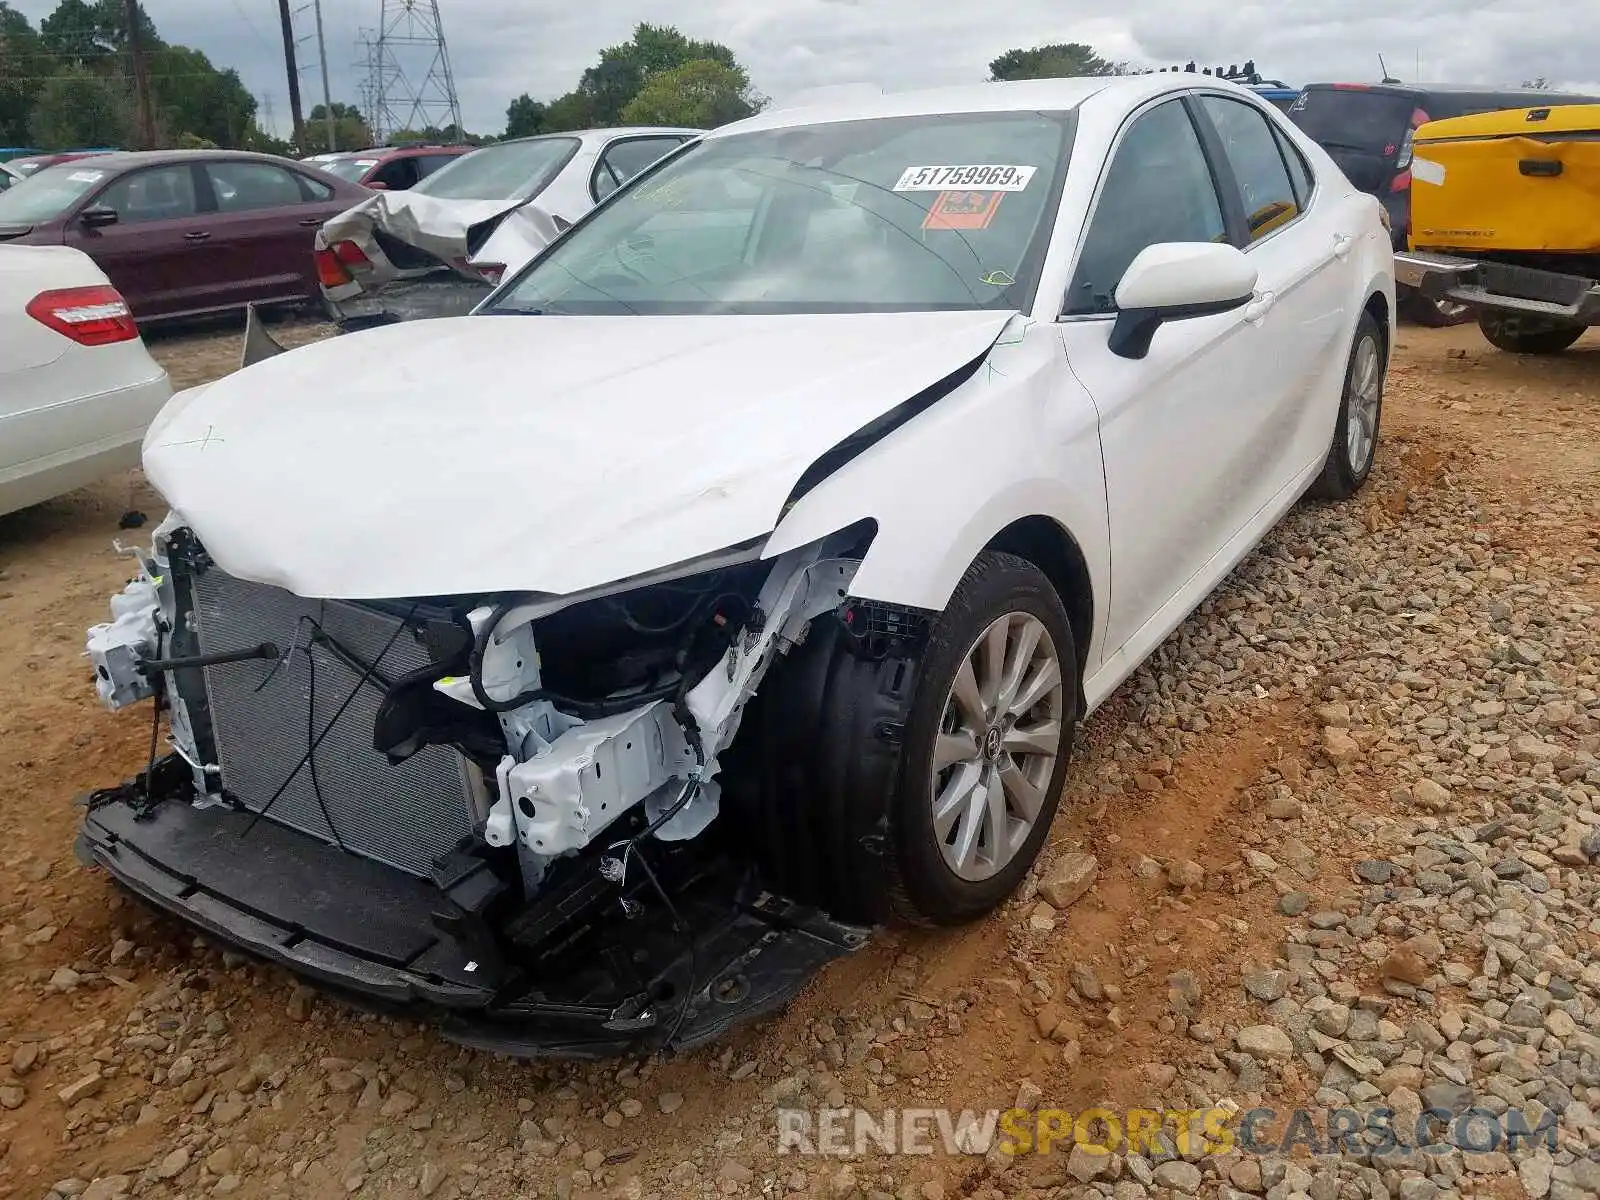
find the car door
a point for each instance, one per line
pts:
(625, 158)
(149, 253)
(1300, 246)
(1178, 427)
(263, 230)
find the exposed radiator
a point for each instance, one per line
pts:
(405, 816)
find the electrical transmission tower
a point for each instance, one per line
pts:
(408, 71)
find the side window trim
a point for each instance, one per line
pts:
(1232, 198)
(602, 163)
(1202, 130)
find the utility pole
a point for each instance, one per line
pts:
(294, 76)
(327, 90)
(141, 79)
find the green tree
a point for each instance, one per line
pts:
(525, 116)
(76, 107)
(1056, 61)
(701, 94)
(611, 84)
(191, 96)
(568, 112)
(23, 67)
(349, 127)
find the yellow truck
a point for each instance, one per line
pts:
(1505, 218)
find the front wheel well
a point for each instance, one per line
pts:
(1044, 543)
(1378, 306)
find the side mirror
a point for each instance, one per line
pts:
(98, 216)
(1174, 281)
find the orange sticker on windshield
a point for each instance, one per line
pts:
(963, 210)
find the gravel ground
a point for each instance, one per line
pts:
(1333, 848)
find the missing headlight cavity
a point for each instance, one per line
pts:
(869, 435)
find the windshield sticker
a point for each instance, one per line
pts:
(87, 176)
(991, 178)
(963, 210)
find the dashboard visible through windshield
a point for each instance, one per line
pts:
(885, 215)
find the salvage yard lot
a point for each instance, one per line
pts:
(1354, 799)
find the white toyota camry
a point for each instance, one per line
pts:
(735, 577)
(77, 386)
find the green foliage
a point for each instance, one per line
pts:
(80, 54)
(192, 97)
(1059, 60)
(22, 66)
(349, 128)
(77, 107)
(525, 116)
(701, 94)
(625, 81)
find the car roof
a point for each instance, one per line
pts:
(127, 160)
(1534, 96)
(607, 133)
(1028, 95)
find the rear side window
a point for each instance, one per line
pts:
(1258, 167)
(623, 160)
(1157, 189)
(242, 186)
(1299, 170)
(397, 174)
(157, 194)
(1353, 119)
(427, 164)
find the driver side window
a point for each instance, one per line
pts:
(1158, 188)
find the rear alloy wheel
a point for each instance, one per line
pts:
(1431, 312)
(1527, 335)
(988, 738)
(1355, 435)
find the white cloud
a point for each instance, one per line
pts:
(500, 48)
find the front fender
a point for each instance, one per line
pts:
(1019, 439)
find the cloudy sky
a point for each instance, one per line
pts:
(500, 48)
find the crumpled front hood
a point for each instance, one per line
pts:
(441, 227)
(538, 453)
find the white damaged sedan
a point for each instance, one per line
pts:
(584, 672)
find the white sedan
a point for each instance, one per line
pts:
(781, 521)
(437, 248)
(77, 386)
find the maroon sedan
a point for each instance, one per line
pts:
(183, 232)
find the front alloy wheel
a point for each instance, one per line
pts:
(988, 737)
(998, 742)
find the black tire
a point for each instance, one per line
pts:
(1429, 312)
(1526, 335)
(1341, 478)
(828, 784)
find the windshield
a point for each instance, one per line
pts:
(47, 194)
(510, 171)
(900, 214)
(1349, 119)
(350, 170)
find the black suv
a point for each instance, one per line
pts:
(1368, 129)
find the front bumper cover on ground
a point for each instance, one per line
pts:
(384, 940)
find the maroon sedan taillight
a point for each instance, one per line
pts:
(90, 316)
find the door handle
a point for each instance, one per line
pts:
(199, 235)
(312, 221)
(1342, 244)
(1256, 311)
